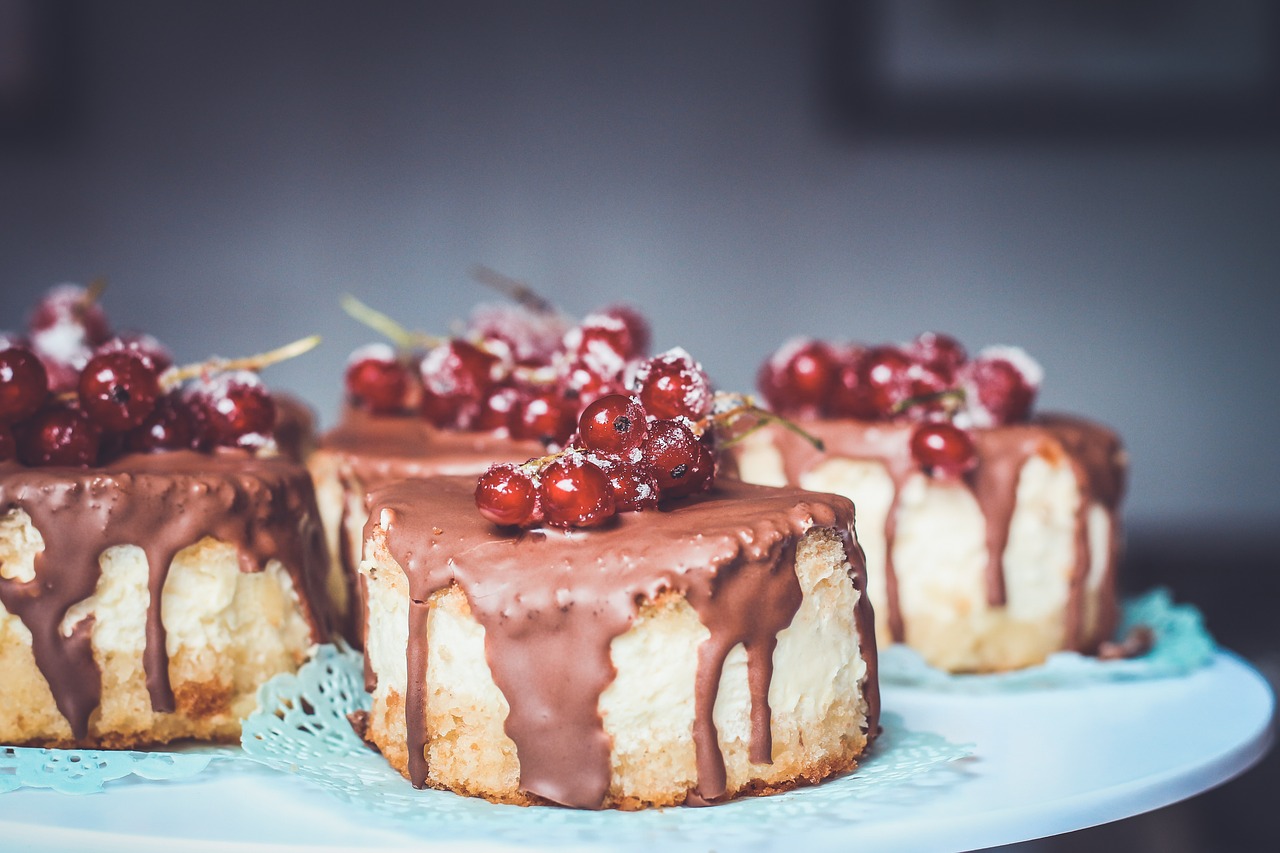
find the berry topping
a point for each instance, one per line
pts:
(24, 384)
(170, 426)
(377, 381)
(575, 493)
(683, 465)
(939, 353)
(673, 385)
(118, 390)
(614, 424)
(455, 376)
(1004, 381)
(801, 374)
(505, 494)
(59, 436)
(154, 353)
(884, 373)
(545, 416)
(232, 409)
(943, 449)
(635, 484)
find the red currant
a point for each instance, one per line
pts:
(24, 384)
(59, 436)
(673, 385)
(498, 408)
(377, 381)
(638, 334)
(455, 376)
(506, 494)
(155, 354)
(233, 410)
(545, 416)
(575, 493)
(943, 449)
(614, 424)
(634, 484)
(70, 306)
(850, 395)
(884, 373)
(530, 337)
(806, 372)
(118, 390)
(170, 426)
(683, 464)
(1004, 381)
(942, 354)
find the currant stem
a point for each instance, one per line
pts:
(513, 289)
(742, 405)
(953, 397)
(384, 325)
(92, 293)
(175, 376)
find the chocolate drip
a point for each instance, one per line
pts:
(551, 603)
(1094, 454)
(161, 503)
(373, 450)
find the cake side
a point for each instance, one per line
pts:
(722, 648)
(366, 451)
(993, 571)
(145, 600)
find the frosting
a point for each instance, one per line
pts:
(162, 503)
(551, 602)
(373, 450)
(1093, 452)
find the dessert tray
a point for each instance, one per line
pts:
(952, 772)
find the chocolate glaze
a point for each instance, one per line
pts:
(552, 601)
(373, 450)
(162, 503)
(1095, 456)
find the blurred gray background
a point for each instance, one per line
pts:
(1098, 182)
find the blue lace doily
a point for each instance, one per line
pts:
(86, 771)
(1182, 644)
(301, 728)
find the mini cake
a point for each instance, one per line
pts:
(509, 387)
(992, 536)
(722, 648)
(604, 626)
(158, 562)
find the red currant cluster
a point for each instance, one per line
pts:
(630, 451)
(74, 393)
(517, 371)
(930, 380)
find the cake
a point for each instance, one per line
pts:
(718, 648)
(159, 560)
(508, 387)
(992, 534)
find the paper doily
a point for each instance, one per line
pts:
(301, 728)
(1182, 645)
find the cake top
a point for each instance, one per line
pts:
(522, 370)
(75, 393)
(732, 521)
(930, 382)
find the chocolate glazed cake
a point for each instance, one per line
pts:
(992, 571)
(721, 648)
(146, 600)
(367, 451)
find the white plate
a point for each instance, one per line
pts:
(1044, 763)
